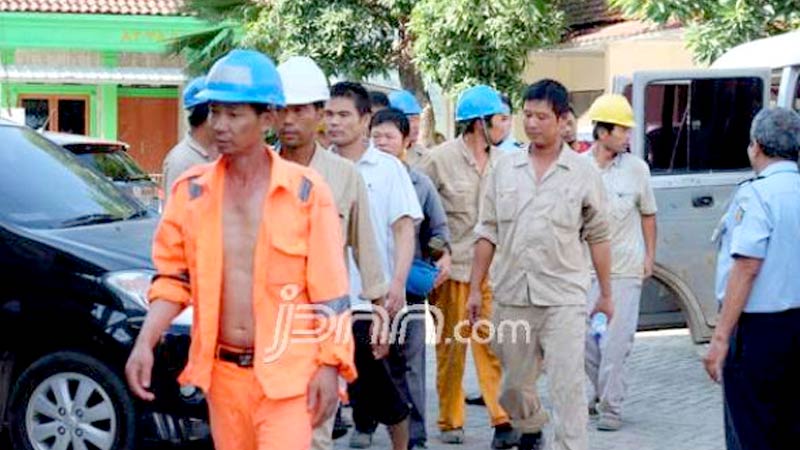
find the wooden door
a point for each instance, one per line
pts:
(150, 127)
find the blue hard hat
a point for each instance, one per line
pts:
(244, 76)
(421, 278)
(479, 101)
(194, 87)
(405, 101)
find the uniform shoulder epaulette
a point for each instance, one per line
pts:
(305, 189)
(194, 188)
(750, 180)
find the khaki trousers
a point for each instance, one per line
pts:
(523, 334)
(605, 360)
(322, 437)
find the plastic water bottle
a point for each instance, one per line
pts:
(598, 326)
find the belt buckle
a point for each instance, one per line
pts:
(245, 360)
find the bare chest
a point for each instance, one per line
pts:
(241, 222)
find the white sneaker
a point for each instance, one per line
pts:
(360, 440)
(453, 436)
(609, 422)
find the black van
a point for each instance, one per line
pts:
(74, 271)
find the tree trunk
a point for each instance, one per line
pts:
(411, 80)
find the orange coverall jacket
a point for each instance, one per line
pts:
(298, 262)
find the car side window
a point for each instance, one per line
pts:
(700, 125)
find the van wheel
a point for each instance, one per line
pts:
(71, 401)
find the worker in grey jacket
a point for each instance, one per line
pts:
(389, 131)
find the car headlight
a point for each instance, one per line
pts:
(131, 286)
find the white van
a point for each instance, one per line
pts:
(692, 127)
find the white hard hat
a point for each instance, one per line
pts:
(303, 81)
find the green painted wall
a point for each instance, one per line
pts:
(7, 56)
(109, 110)
(161, 92)
(109, 59)
(109, 35)
(94, 32)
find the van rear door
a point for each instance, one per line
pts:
(692, 127)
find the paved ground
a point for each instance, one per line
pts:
(671, 406)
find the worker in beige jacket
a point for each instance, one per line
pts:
(306, 89)
(539, 208)
(458, 169)
(197, 147)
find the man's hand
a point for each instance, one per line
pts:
(474, 305)
(323, 394)
(604, 305)
(648, 267)
(444, 264)
(395, 298)
(715, 358)
(379, 332)
(138, 371)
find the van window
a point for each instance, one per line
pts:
(797, 96)
(700, 125)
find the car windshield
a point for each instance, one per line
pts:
(44, 186)
(114, 163)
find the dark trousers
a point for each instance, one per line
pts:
(414, 349)
(379, 394)
(761, 382)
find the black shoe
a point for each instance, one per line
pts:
(531, 441)
(338, 432)
(505, 437)
(417, 445)
(340, 427)
(475, 401)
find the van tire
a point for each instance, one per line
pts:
(108, 401)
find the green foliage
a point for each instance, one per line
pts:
(453, 42)
(347, 37)
(714, 26)
(464, 42)
(205, 47)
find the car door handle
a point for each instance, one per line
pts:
(705, 201)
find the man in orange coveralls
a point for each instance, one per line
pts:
(254, 244)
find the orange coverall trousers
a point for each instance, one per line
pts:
(243, 418)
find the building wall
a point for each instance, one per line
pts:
(150, 118)
(31, 57)
(588, 72)
(150, 60)
(626, 57)
(578, 71)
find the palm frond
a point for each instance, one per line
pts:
(202, 48)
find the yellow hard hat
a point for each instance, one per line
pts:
(613, 109)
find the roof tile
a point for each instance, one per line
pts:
(133, 7)
(583, 13)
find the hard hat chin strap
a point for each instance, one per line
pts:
(486, 136)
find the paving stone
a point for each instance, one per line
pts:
(671, 404)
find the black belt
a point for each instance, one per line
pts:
(241, 357)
